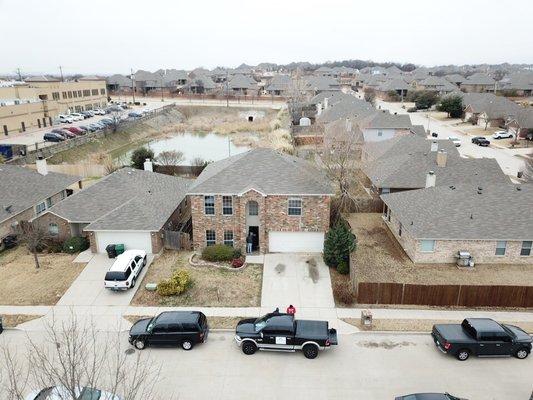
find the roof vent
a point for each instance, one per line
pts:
(471, 216)
(8, 208)
(518, 188)
(479, 188)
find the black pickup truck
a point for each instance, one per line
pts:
(281, 332)
(481, 337)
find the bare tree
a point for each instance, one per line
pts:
(34, 237)
(170, 157)
(199, 162)
(74, 356)
(296, 94)
(116, 117)
(370, 96)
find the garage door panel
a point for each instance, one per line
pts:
(296, 242)
(131, 240)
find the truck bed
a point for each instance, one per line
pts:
(453, 333)
(312, 330)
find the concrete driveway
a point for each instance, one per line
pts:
(88, 289)
(288, 278)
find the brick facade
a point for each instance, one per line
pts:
(483, 251)
(63, 225)
(273, 216)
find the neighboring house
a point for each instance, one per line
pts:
(119, 83)
(130, 206)
(436, 84)
(521, 125)
(242, 84)
(434, 224)
(26, 193)
(487, 108)
(345, 108)
(283, 200)
(316, 84)
(383, 125)
(279, 85)
(479, 83)
(520, 82)
(200, 84)
(145, 81)
(396, 85)
(456, 79)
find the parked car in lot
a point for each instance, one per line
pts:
(98, 111)
(96, 126)
(87, 114)
(106, 121)
(281, 332)
(428, 396)
(502, 135)
(85, 128)
(53, 137)
(170, 328)
(75, 130)
(77, 116)
(456, 141)
(66, 119)
(483, 142)
(125, 270)
(481, 337)
(135, 114)
(61, 393)
(66, 134)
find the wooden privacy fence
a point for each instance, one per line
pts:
(445, 295)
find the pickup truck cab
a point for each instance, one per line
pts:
(281, 332)
(481, 337)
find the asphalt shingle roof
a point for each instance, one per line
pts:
(264, 170)
(500, 212)
(347, 108)
(22, 188)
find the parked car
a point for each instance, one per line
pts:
(428, 396)
(125, 270)
(53, 137)
(75, 130)
(170, 328)
(502, 135)
(99, 111)
(96, 126)
(281, 332)
(8, 242)
(58, 130)
(134, 114)
(77, 116)
(68, 134)
(434, 134)
(481, 337)
(483, 142)
(61, 393)
(66, 119)
(84, 128)
(476, 138)
(456, 141)
(106, 121)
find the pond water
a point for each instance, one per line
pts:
(208, 146)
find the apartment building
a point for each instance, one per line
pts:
(35, 102)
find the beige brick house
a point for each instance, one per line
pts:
(493, 223)
(282, 200)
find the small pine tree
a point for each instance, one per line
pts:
(139, 156)
(452, 104)
(339, 243)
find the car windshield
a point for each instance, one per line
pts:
(449, 396)
(89, 394)
(260, 323)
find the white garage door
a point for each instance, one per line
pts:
(296, 242)
(131, 240)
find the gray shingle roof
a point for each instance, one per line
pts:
(279, 82)
(394, 84)
(240, 81)
(347, 108)
(384, 119)
(128, 199)
(22, 188)
(479, 79)
(264, 170)
(498, 213)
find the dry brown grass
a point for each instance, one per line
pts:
(418, 325)
(13, 320)
(342, 289)
(22, 284)
(212, 287)
(214, 322)
(379, 258)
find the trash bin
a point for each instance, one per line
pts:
(119, 249)
(111, 252)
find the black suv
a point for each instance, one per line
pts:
(170, 328)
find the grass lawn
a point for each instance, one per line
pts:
(419, 325)
(214, 322)
(379, 258)
(13, 320)
(22, 284)
(211, 287)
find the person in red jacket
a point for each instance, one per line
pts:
(291, 310)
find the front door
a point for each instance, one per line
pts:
(255, 232)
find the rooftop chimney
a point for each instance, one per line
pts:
(148, 166)
(318, 109)
(434, 146)
(42, 166)
(326, 101)
(431, 179)
(442, 157)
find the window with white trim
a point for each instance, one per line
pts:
(53, 229)
(40, 208)
(526, 248)
(427, 246)
(380, 133)
(253, 208)
(209, 205)
(210, 237)
(227, 205)
(228, 238)
(295, 207)
(501, 247)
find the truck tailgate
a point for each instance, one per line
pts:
(332, 337)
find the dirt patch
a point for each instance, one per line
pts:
(214, 322)
(280, 268)
(23, 285)
(380, 258)
(386, 344)
(313, 270)
(211, 287)
(12, 321)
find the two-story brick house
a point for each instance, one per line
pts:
(283, 200)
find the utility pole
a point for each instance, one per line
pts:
(61, 72)
(19, 74)
(132, 77)
(227, 89)
(162, 99)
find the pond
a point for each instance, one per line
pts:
(207, 146)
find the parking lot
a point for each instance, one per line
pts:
(367, 366)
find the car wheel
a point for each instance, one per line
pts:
(463, 354)
(187, 345)
(139, 344)
(144, 261)
(310, 351)
(521, 353)
(249, 348)
(132, 283)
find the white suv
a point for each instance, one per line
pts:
(76, 116)
(502, 135)
(65, 119)
(125, 270)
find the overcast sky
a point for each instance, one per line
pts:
(104, 36)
